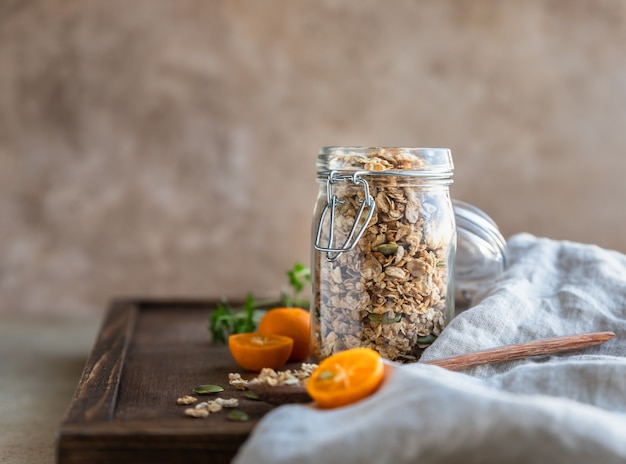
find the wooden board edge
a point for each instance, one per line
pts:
(146, 449)
(87, 432)
(97, 390)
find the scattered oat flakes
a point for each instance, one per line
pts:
(288, 377)
(205, 408)
(187, 399)
(213, 407)
(203, 405)
(235, 380)
(193, 412)
(228, 402)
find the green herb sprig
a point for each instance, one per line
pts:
(299, 277)
(226, 319)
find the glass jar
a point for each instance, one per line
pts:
(384, 238)
(480, 253)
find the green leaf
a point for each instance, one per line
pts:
(220, 322)
(225, 320)
(298, 277)
(250, 304)
(244, 321)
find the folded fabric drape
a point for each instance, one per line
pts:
(567, 408)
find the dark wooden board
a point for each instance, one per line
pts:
(147, 354)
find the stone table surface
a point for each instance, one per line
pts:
(41, 361)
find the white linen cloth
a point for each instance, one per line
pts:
(567, 408)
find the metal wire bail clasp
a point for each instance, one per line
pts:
(353, 237)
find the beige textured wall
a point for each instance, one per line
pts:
(167, 148)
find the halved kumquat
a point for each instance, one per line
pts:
(254, 351)
(346, 377)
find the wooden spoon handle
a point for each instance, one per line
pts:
(522, 350)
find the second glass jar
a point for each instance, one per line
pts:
(384, 240)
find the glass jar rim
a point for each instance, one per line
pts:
(386, 160)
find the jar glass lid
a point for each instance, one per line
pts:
(480, 253)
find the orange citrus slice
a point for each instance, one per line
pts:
(254, 351)
(346, 377)
(294, 323)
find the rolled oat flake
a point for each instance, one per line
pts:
(384, 240)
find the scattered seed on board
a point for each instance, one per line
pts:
(193, 412)
(228, 402)
(287, 377)
(237, 416)
(207, 389)
(252, 396)
(187, 399)
(235, 380)
(204, 408)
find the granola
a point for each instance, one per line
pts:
(390, 293)
(287, 377)
(205, 408)
(236, 381)
(187, 399)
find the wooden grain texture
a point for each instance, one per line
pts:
(522, 350)
(146, 355)
(97, 391)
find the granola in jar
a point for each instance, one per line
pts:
(384, 237)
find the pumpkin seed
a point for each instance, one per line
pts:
(237, 416)
(252, 396)
(384, 318)
(426, 339)
(386, 248)
(207, 389)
